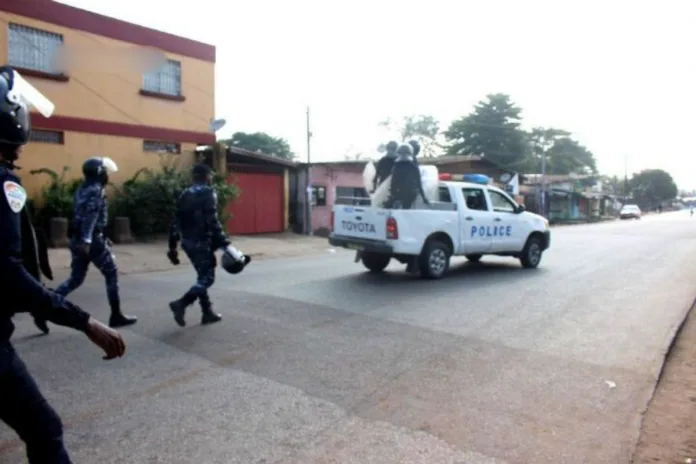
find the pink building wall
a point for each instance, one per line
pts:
(330, 176)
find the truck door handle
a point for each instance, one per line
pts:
(498, 219)
(469, 218)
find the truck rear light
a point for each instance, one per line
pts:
(392, 229)
(331, 224)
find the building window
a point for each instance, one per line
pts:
(34, 49)
(166, 81)
(46, 136)
(154, 146)
(318, 195)
(352, 196)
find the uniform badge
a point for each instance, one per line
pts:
(15, 194)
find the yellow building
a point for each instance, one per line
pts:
(120, 90)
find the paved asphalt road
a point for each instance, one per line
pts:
(319, 362)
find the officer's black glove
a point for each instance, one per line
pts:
(173, 256)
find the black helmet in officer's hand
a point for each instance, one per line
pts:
(98, 169)
(415, 144)
(232, 265)
(15, 124)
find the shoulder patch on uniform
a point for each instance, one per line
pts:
(15, 194)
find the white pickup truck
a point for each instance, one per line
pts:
(469, 219)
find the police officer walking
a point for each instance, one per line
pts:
(197, 226)
(88, 243)
(22, 406)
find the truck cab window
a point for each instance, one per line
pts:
(501, 204)
(444, 195)
(475, 199)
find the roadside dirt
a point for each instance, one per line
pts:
(668, 434)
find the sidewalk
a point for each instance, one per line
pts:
(668, 432)
(151, 256)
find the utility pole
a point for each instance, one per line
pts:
(543, 184)
(625, 179)
(310, 229)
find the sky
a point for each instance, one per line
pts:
(619, 75)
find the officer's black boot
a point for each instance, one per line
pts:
(118, 319)
(208, 316)
(179, 306)
(42, 325)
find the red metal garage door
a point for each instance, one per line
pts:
(259, 207)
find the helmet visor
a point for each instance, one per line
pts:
(109, 165)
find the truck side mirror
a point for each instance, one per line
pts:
(520, 209)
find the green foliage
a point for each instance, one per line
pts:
(261, 142)
(652, 187)
(57, 198)
(149, 198)
(563, 154)
(493, 131)
(421, 127)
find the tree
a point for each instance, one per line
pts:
(420, 127)
(613, 185)
(563, 154)
(493, 131)
(651, 187)
(568, 156)
(541, 140)
(261, 142)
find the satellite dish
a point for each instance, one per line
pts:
(505, 177)
(217, 124)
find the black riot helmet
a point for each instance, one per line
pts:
(201, 173)
(391, 149)
(404, 150)
(98, 169)
(416, 146)
(233, 266)
(15, 124)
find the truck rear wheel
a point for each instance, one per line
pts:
(375, 262)
(531, 254)
(434, 260)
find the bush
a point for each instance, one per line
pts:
(57, 198)
(149, 198)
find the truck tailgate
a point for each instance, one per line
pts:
(360, 222)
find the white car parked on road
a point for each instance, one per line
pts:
(630, 212)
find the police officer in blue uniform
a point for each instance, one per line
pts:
(197, 226)
(406, 183)
(416, 146)
(22, 406)
(88, 243)
(385, 165)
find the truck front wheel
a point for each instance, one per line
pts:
(434, 260)
(531, 254)
(375, 262)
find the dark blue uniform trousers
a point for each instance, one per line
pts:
(23, 407)
(204, 262)
(100, 256)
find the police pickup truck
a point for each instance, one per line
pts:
(470, 219)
